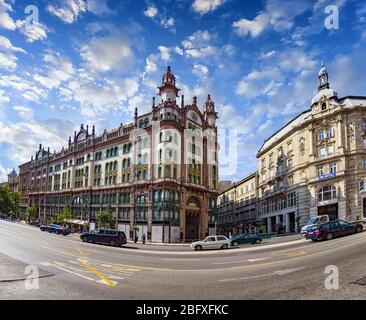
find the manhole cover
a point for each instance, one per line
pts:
(361, 282)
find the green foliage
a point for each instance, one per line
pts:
(63, 217)
(105, 219)
(31, 212)
(9, 200)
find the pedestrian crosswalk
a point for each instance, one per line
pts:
(93, 270)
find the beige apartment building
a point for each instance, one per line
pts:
(315, 164)
(237, 207)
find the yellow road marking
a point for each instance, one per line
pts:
(82, 253)
(290, 254)
(97, 273)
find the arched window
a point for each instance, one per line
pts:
(327, 193)
(159, 172)
(145, 175)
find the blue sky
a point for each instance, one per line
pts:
(94, 61)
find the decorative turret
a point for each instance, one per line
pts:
(168, 91)
(210, 112)
(323, 78)
(324, 89)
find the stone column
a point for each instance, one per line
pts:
(287, 221)
(269, 226)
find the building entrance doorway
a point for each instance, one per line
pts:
(292, 222)
(192, 226)
(364, 207)
(193, 215)
(331, 210)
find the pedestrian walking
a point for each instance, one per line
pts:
(143, 238)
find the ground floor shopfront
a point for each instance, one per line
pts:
(161, 214)
(339, 198)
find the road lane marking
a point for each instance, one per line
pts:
(247, 278)
(74, 273)
(240, 261)
(258, 259)
(288, 271)
(110, 283)
(167, 259)
(279, 273)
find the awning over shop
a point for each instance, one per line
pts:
(79, 222)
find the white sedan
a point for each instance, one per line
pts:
(211, 242)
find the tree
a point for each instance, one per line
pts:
(105, 219)
(31, 212)
(63, 217)
(9, 200)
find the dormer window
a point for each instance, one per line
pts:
(324, 106)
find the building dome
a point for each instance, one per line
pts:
(324, 94)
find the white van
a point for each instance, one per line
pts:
(315, 221)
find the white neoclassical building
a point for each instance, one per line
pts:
(316, 163)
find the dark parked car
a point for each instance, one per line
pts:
(332, 229)
(246, 238)
(106, 236)
(55, 228)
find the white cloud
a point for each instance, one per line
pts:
(204, 6)
(200, 70)
(31, 96)
(99, 7)
(6, 21)
(3, 97)
(199, 45)
(25, 112)
(4, 173)
(24, 137)
(6, 44)
(258, 83)
(68, 10)
(60, 69)
(151, 12)
(8, 61)
(166, 22)
(141, 102)
(108, 53)
(101, 98)
(251, 27)
(279, 15)
(35, 32)
(151, 65)
(164, 53)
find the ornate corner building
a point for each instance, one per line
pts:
(158, 175)
(316, 163)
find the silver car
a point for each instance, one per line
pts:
(211, 242)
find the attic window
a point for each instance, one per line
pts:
(324, 106)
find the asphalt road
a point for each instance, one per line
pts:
(71, 269)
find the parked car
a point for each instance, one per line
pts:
(211, 242)
(55, 228)
(35, 222)
(315, 221)
(332, 229)
(253, 238)
(106, 236)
